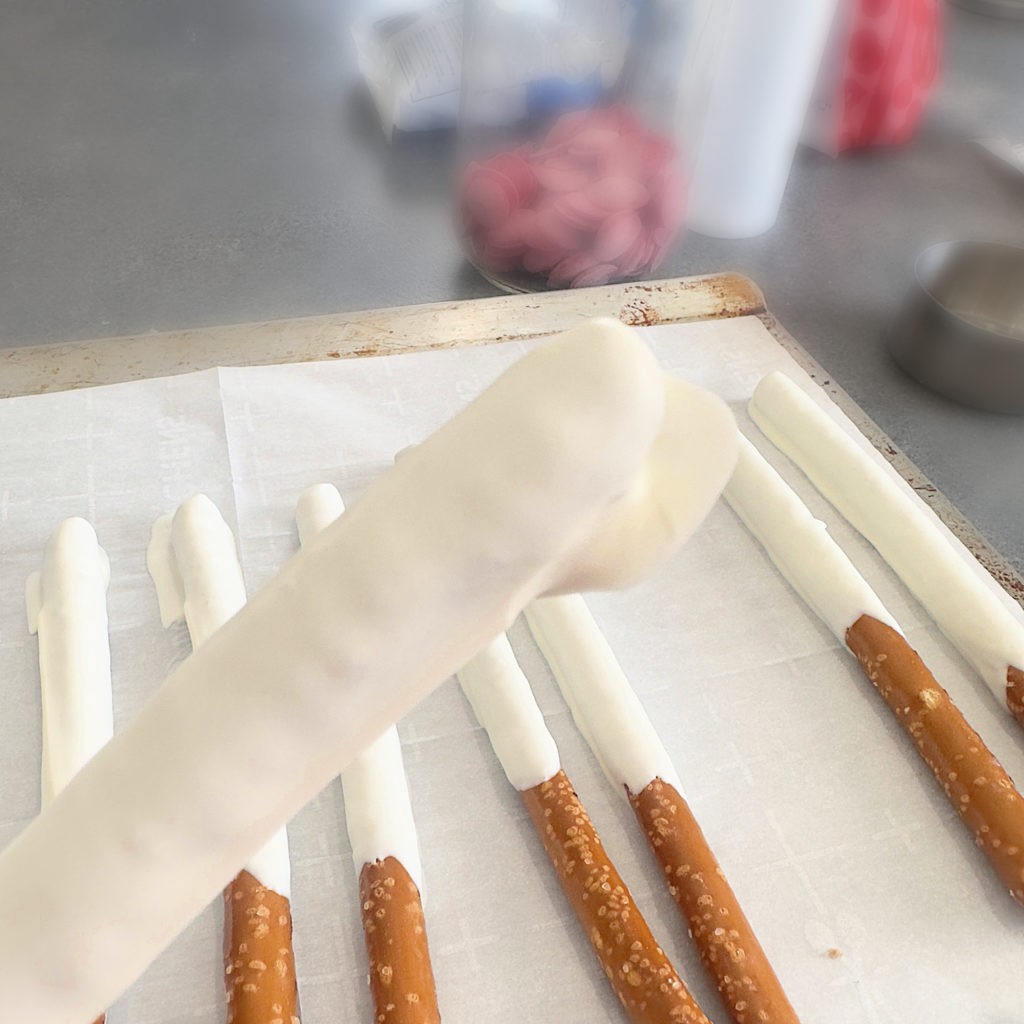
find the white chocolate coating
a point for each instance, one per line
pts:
(684, 473)
(67, 607)
(504, 502)
(504, 705)
(194, 565)
(981, 621)
(800, 545)
(606, 710)
(318, 506)
(378, 812)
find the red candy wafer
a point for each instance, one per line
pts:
(616, 235)
(488, 196)
(515, 167)
(561, 174)
(593, 276)
(597, 199)
(539, 261)
(567, 270)
(578, 211)
(618, 192)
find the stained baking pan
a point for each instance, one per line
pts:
(827, 825)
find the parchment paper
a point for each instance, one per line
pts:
(868, 894)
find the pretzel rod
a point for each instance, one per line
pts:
(384, 847)
(564, 474)
(67, 609)
(728, 947)
(973, 611)
(381, 829)
(970, 775)
(259, 969)
(195, 568)
(639, 972)
(615, 724)
(1015, 693)
(636, 967)
(401, 977)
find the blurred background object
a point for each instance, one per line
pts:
(1007, 155)
(998, 8)
(570, 168)
(591, 131)
(410, 54)
(761, 68)
(882, 65)
(961, 332)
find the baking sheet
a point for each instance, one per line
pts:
(869, 896)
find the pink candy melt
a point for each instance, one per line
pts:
(601, 274)
(540, 261)
(567, 270)
(578, 211)
(596, 200)
(618, 193)
(616, 235)
(488, 197)
(561, 176)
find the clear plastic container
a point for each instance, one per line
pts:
(571, 121)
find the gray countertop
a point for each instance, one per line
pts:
(175, 163)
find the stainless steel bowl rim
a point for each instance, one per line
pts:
(925, 282)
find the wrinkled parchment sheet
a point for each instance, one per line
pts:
(870, 897)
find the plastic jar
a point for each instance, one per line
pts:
(571, 123)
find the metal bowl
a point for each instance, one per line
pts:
(961, 332)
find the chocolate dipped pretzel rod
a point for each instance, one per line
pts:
(381, 829)
(639, 972)
(624, 740)
(195, 568)
(970, 775)
(565, 474)
(67, 609)
(977, 616)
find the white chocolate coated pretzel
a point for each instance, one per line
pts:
(551, 479)
(982, 621)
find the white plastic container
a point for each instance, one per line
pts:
(754, 103)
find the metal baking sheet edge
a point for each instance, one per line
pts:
(39, 369)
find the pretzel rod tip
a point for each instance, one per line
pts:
(259, 975)
(401, 978)
(621, 734)
(728, 946)
(973, 779)
(635, 965)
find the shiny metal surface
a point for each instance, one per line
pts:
(962, 329)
